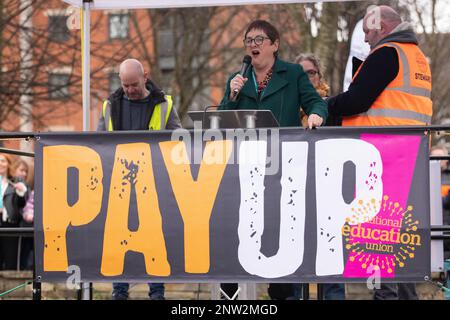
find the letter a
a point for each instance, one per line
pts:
(133, 168)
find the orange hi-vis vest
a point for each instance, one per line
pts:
(407, 98)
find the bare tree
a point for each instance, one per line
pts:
(436, 46)
(190, 52)
(28, 56)
(323, 29)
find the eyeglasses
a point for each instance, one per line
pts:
(258, 40)
(311, 73)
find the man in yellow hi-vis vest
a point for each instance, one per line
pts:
(392, 87)
(138, 105)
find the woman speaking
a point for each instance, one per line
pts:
(271, 83)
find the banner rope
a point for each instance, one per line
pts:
(16, 288)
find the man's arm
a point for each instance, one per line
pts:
(380, 68)
(174, 121)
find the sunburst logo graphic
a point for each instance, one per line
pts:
(387, 240)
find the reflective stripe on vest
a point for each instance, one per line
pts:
(401, 103)
(398, 113)
(158, 121)
(416, 91)
(161, 114)
(107, 115)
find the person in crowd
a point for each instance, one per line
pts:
(276, 85)
(392, 87)
(313, 68)
(12, 200)
(22, 171)
(137, 105)
(441, 150)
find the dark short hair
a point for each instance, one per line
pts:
(268, 29)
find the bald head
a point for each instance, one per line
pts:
(390, 16)
(133, 79)
(379, 22)
(131, 66)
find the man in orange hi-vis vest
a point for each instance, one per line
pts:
(392, 87)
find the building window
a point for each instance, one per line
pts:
(118, 26)
(57, 28)
(58, 86)
(166, 49)
(114, 82)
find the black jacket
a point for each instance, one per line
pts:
(379, 69)
(115, 99)
(14, 205)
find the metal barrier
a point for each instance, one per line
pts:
(24, 232)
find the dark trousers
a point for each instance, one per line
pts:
(120, 291)
(331, 291)
(396, 291)
(26, 253)
(8, 253)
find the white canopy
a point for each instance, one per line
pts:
(138, 4)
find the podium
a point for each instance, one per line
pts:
(232, 119)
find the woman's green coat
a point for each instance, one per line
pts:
(288, 89)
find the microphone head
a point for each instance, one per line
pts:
(247, 59)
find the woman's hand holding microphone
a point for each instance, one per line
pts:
(236, 85)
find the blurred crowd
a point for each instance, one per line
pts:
(16, 210)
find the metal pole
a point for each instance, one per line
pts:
(440, 228)
(36, 288)
(85, 44)
(85, 291)
(248, 291)
(250, 121)
(17, 152)
(214, 122)
(440, 237)
(86, 73)
(36, 279)
(26, 60)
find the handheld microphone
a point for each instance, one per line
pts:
(246, 62)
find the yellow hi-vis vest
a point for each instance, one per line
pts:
(158, 120)
(407, 98)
